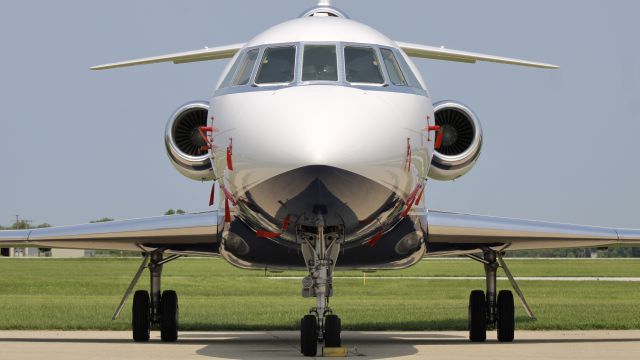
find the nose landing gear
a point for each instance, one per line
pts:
(320, 248)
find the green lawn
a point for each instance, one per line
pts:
(83, 293)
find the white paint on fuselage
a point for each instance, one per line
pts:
(357, 130)
(329, 29)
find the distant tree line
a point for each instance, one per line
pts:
(26, 224)
(23, 225)
(610, 252)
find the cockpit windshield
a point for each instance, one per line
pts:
(347, 64)
(320, 63)
(277, 65)
(362, 65)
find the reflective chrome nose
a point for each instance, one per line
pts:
(344, 197)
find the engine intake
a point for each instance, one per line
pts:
(461, 141)
(185, 144)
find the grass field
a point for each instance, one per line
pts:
(83, 293)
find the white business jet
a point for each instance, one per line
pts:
(319, 141)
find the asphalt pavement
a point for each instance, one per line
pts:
(102, 345)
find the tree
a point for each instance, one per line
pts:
(175, 212)
(104, 219)
(21, 225)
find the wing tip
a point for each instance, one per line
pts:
(103, 67)
(550, 66)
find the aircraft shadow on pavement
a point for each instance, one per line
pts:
(274, 344)
(371, 345)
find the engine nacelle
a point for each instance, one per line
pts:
(461, 141)
(184, 143)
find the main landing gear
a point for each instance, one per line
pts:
(158, 309)
(320, 248)
(488, 311)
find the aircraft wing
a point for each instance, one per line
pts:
(464, 233)
(440, 53)
(214, 53)
(170, 232)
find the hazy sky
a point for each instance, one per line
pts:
(77, 145)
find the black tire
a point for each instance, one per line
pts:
(477, 316)
(309, 335)
(332, 329)
(169, 316)
(140, 316)
(506, 316)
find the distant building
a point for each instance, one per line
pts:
(36, 252)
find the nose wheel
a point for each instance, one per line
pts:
(311, 333)
(332, 329)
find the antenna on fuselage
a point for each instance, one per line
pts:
(324, 8)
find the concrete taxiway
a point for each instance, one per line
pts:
(102, 345)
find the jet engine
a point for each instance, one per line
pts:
(185, 145)
(461, 141)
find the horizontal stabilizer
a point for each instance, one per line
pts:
(440, 53)
(215, 53)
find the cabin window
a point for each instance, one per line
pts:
(393, 68)
(320, 63)
(246, 68)
(362, 65)
(277, 65)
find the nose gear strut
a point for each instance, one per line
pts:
(320, 246)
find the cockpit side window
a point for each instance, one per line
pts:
(320, 63)
(227, 80)
(393, 68)
(411, 78)
(246, 68)
(277, 65)
(362, 65)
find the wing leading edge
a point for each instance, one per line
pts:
(214, 53)
(137, 234)
(462, 233)
(440, 53)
